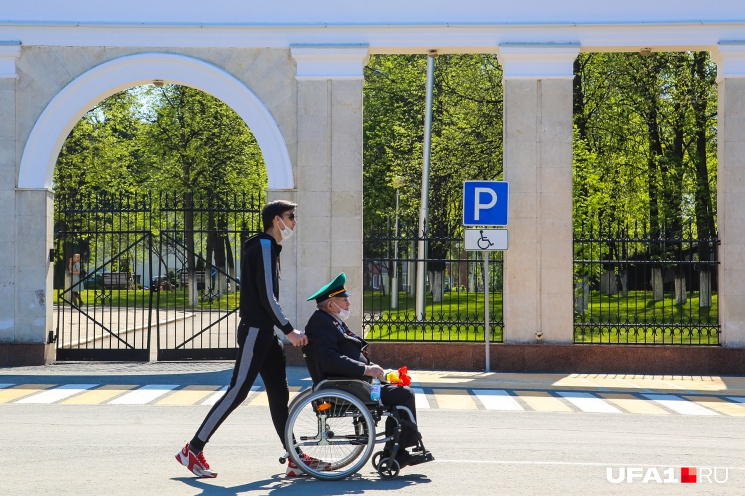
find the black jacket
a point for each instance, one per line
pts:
(336, 353)
(259, 305)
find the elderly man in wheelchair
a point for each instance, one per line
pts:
(336, 420)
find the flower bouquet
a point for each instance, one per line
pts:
(398, 377)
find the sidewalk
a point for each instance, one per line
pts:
(219, 372)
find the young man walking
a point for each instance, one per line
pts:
(260, 350)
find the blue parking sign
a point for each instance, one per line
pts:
(485, 203)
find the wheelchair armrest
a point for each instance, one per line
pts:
(358, 387)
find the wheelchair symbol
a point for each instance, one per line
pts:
(484, 243)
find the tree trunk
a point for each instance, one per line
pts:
(680, 286)
(411, 275)
(582, 294)
(704, 299)
(438, 286)
(624, 276)
(658, 293)
(189, 241)
(608, 283)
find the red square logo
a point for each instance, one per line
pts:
(688, 474)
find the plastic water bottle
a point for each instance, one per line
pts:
(375, 389)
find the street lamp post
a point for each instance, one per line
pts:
(398, 182)
(424, 205)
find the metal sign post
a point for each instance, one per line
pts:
(485, 204)
(487, 331)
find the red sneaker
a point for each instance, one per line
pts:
(196, 463)
(314, 463)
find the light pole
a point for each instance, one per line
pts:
(398, 182)
(421, 266)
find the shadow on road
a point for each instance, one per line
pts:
(355, 484)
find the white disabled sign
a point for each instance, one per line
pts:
(485, 203)
(486, 239)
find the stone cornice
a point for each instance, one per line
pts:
(538, 61)
(730, 59)
(329, 61)
(9, 53)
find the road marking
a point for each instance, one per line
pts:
(144, 395)
(98, 395)
(719, 404)
(21, 390)
(212, 399)
(446, 398)
(541, 401)
(190, 395)
(258, 399)
(57, 394)
(679, 405)
(634, 404)
(453, 399)
(588, 402)
(497, 399)
(420, 399)
(631, 463)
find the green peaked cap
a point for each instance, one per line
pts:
(334, 288)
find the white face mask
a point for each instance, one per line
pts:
(285, 231)
(343, 314)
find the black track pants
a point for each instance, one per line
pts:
(404, 396)
(260, 352)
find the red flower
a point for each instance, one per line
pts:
(403, 374)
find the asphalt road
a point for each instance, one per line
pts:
(129, 450)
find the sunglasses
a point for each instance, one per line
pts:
(290, 216)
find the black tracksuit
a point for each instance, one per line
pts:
(260, 350)
(339, 354)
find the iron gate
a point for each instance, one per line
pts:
(160, 275)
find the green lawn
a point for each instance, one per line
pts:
(175, 299)
(459, 317)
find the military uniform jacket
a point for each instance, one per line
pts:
(336, 353)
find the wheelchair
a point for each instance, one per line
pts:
(335, 421)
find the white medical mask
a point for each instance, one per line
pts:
(285, 231)
(343, 314)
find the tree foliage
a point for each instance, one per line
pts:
(466, 131)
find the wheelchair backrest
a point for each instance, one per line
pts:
(314, 368)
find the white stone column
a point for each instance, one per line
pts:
(25, 239)
(329, 172)
(538, 167)
(9, 52)
(730, 59)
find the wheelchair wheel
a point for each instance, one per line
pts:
(388, 468)
(333, 426)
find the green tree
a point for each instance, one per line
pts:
(466, 138)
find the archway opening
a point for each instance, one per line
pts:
(156, 186)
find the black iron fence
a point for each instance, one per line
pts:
(638, 285)
(158, 271)
(453, 308)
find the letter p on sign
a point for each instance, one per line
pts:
(485, 203)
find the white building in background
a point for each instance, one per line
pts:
(293, 71)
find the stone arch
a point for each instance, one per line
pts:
(73, 101)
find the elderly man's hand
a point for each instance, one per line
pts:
(374, 370)
(297, 338)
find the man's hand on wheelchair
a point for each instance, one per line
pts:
(374, 370)
(297, 338)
